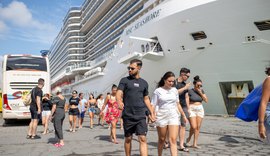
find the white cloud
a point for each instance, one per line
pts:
(3, 27)
(17, 18)
(19, 15)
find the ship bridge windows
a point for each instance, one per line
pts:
(263, 25)
(199, 35)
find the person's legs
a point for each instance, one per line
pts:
(173, 133)
(143, 145)
(182, 129)
(74, 122)
(34, 127)
(141, 131)
(197, 131)
(70, 122)
(30, 128)
(162, 131)
(193, 127)
(91, 114)
(61, 136)
(128, 145)
(46, 128)
(43, 122)
(113, 132)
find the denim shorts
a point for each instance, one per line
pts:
(92, 109)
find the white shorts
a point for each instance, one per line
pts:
(46, 113)
(167, 117)
(196, 110)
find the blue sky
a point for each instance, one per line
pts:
(28, 26)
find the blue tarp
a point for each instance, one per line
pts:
(249, 107)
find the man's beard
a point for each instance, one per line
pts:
(133, 75)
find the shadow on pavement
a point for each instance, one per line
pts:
(11, 123)
(228, 139)
(107, 137)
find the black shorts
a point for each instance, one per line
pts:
(34, 114)
(139, 127)
(185, 109)
(74, 111)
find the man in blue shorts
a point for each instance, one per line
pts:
(132, 97)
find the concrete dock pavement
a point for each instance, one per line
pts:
(219, 136)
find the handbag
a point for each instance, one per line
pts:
(249, 107)
(97, 110)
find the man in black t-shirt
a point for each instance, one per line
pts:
(132, 97)
(35, 109)
(182, 88)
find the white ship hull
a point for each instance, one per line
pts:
(221, 59)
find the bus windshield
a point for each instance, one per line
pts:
(26, 63)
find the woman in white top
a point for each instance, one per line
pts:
(100, 102)
(167, 108)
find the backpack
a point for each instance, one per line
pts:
(27, 99)
(248, 109)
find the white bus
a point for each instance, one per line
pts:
(20, 75)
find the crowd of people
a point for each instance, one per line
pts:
(175, 104)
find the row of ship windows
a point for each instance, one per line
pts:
(121, 22)
(125, 19)
(116, 26)
(116, 18)
(76, 28)
(89, 14)
(107, 16)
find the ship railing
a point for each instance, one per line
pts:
(144, 48)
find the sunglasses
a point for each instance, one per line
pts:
(199, 85)
(186, 75)
(130, 68)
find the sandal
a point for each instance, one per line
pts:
(58, 145)
(35, 137)
(166, 145)
(184, 149)
(28, 137)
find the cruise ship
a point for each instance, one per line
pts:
(225, 42)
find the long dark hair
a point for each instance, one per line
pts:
(196, 79)
(92, 96)
(99, 96)
(165, 77)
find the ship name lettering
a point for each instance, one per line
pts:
(148, 18)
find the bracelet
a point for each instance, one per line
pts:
(261, 121)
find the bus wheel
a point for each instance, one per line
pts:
(7, 121)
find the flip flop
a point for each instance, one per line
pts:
(166, 145)
(184, 149)
(28, 137)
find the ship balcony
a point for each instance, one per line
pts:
(126, 59)
(84, 67)
(149, 48)
(150, 55)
